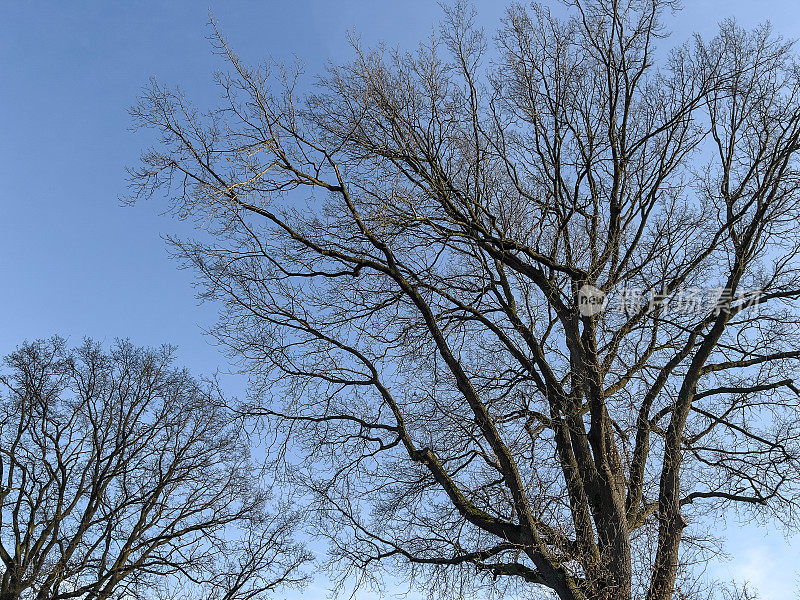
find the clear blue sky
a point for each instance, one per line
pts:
(74, 262)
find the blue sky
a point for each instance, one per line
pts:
(74, 262)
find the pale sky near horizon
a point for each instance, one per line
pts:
(74, 262)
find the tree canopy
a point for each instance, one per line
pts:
(122, 477)
(399, 255)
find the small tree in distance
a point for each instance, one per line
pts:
(121, 477)
(417, 328)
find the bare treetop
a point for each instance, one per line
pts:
(123, 478)
(419, 328)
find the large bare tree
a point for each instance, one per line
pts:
(122, 477)
(400, 252)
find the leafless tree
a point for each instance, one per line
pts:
(415, 327)
(121, 477)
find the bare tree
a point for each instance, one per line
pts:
(416, 329)
(122, 477)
